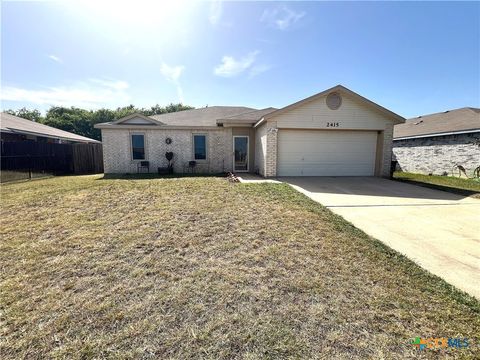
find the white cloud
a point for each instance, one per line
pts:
(281, 17)
(113, 84)
(231, 67)
(55, 58)
(216, 9)
(258, 69)
(172, 74)
(91, 94)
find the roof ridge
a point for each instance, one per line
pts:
(201, 108)
(248, 112)
(446, 111)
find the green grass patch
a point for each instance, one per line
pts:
(461, 186)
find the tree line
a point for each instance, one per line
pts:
(81, 121)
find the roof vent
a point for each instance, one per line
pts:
(418, 122)
(334, 100)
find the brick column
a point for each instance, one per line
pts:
(271, 158)
(387, 150)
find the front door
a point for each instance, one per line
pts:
(240, 153)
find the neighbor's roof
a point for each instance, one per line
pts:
(16, 125)
(201, 117)
(453, 121)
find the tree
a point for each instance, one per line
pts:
(101, 116)
(33, 115)
(158, 110)
(81, 121)
(75, 120)
(177, 107)
(125, 111)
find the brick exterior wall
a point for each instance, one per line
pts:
(260, 149)
(271, 155)
(387, 149)
(439, 154)
(117, 154)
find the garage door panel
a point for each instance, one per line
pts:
(326, 153)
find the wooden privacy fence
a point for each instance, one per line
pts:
(27, 159)
(87, 158)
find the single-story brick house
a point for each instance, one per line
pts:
(437, 143)
(333, 133)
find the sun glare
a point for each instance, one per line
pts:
(141, 21)
(140, 10)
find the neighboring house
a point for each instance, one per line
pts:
(30, 149)
(334, 133)
(14, 128)
(437, 143)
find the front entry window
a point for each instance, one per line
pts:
(240, 150)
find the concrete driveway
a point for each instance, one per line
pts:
(440, 231)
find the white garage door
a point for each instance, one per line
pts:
(326, 153)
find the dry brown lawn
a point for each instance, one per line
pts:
(202, 268)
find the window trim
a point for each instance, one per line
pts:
(206, 146)
(145, 156)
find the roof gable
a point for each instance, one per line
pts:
(137, 119)
(342, 90)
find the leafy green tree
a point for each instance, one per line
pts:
(177, 107)
(25, 113)
(154, 110)
(75, 120)
(125, 111)
(101, 116)
(81, 121)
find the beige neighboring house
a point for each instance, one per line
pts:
(333, 133)
(438, 143)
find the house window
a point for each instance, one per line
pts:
(200, 147)
(138, 147)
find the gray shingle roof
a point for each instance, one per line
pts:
(14, 124)
(457, 120)
(248, 117)
(201, 117)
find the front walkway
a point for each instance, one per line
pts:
(438, 230)
(254, 179)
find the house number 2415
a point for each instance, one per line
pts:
(333, 124)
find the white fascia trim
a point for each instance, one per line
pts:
(156, 127)
(33, 133)
(259, 122)
(249, 125)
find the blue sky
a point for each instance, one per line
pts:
(413, 58)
